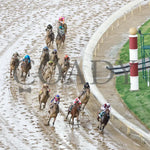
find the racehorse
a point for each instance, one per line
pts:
(43, 97)
(47, 74)
(74, 112)
(25, 67)
(49, 37)
(55, 59)
(53, 112)
(44, 59)
(104, 120)
(85, 98)
(14, 65)
(59, 40)
(64, 69)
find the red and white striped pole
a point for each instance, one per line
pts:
(133, 49)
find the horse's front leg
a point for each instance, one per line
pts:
(78, 119)
(67, 115)
(70, 119)
(21, 73)
(49, 121)
(11, 72)
(54, 121)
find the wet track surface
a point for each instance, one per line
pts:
(22, 124)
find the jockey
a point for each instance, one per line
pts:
(103, 109)
(49, 27)
(56, 99)
(76, 100)
(45, 49)
(54, 51)
(27, 57)
(66, 58)
(15, 54)
(50, 63)
(55, 58)
(61, 20)
(45, 86)
(86, 86)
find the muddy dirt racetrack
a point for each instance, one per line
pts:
(22, 124)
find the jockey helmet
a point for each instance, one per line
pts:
(49, 26)
(77, 99)
(108, 105)
(45, 48)
(45, 85)
(66, 56)
(86, 85)
(57, 96)
(105, 105)
(50, 62)
(55, 50)
(61, 19)
(27, 57)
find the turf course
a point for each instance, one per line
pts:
(138, 101)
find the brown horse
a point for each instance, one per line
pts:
(74, 112)
(85, 98)
(48, 72)
(14, 65)
(104, 120)
(49, 37)
(64, 69)
(44, 59)
(53, 112)
(43, 97)
(25, 67)
(59, 40)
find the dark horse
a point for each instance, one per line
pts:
(104, 120)
(49, 37)
(25, 67)
(74, 113)
(44, 59)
